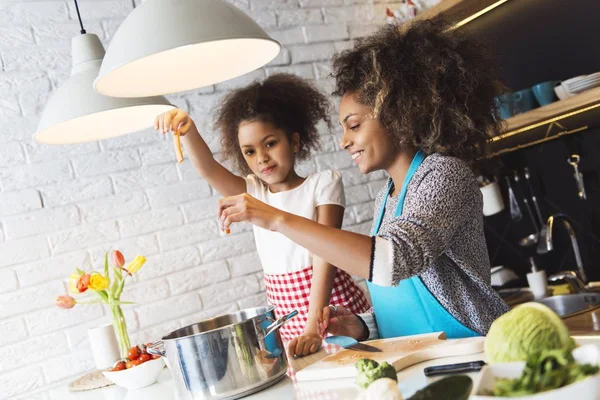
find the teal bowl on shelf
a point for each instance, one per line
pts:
(544, 92)
(527, 102)
(505, 104)
(511, 104)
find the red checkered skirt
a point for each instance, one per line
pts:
(291, 291)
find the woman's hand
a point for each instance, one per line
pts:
(305, 344)
(340, 321)
(245, 208)
(174, 120)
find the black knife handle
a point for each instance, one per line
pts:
(454, 368)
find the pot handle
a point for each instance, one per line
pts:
(278, 324)
(156, 349)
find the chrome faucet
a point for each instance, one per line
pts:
(572, 280)
(546, 245)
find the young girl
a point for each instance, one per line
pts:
(418, 102)
(265, 128)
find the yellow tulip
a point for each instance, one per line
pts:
(99, 282)
(136, 264)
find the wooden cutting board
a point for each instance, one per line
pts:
(400, 352)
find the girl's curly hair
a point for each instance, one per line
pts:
(288, 102)
(430, 86)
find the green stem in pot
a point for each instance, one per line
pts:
(120, 328)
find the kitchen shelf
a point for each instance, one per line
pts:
(564, 117)
(457, 10)
(496, 21)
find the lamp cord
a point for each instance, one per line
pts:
(79, 17)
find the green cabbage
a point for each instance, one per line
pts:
(526, 330)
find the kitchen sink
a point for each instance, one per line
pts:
(571, 304)
(564, 305)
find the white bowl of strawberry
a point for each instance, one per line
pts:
(139, 370)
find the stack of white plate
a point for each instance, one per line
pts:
(574, 86)
(502, 275)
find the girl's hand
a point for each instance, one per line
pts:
(174, 120)
(305, 344)
(340, 321)
(245, 208)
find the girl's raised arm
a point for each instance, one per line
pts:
(179, 122)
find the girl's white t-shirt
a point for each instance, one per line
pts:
(278, 254)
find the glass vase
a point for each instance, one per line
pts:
(120, 327)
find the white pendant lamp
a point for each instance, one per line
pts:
(168, 46)
(76, 113)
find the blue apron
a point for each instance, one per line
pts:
(410, 308)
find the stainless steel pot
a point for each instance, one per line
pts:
(226, 357)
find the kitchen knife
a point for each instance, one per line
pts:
(449, 369)
(350, 343)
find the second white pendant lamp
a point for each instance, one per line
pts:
(168, 46)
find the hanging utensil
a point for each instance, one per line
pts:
(574, 161)
(534, 237)
(529, 240)
(515, 210)
(533, 196)
(543, 226)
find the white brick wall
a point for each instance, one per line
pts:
(62, 207)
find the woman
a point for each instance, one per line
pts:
(418, 102)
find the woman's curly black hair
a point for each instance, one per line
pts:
(430, 86)
(288, 102)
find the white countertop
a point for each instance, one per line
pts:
(410, 380)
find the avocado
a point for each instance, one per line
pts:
(457, 387)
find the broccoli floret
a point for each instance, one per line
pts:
(370, 370)
(388, 371)
(365, 364)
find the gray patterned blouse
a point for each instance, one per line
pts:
(439, 237)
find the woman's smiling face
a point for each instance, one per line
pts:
(368, 143)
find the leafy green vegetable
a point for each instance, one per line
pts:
(545, 370)
(370, 370)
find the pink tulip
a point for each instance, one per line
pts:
(83, 283)
(117, 259)
(65, 302)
